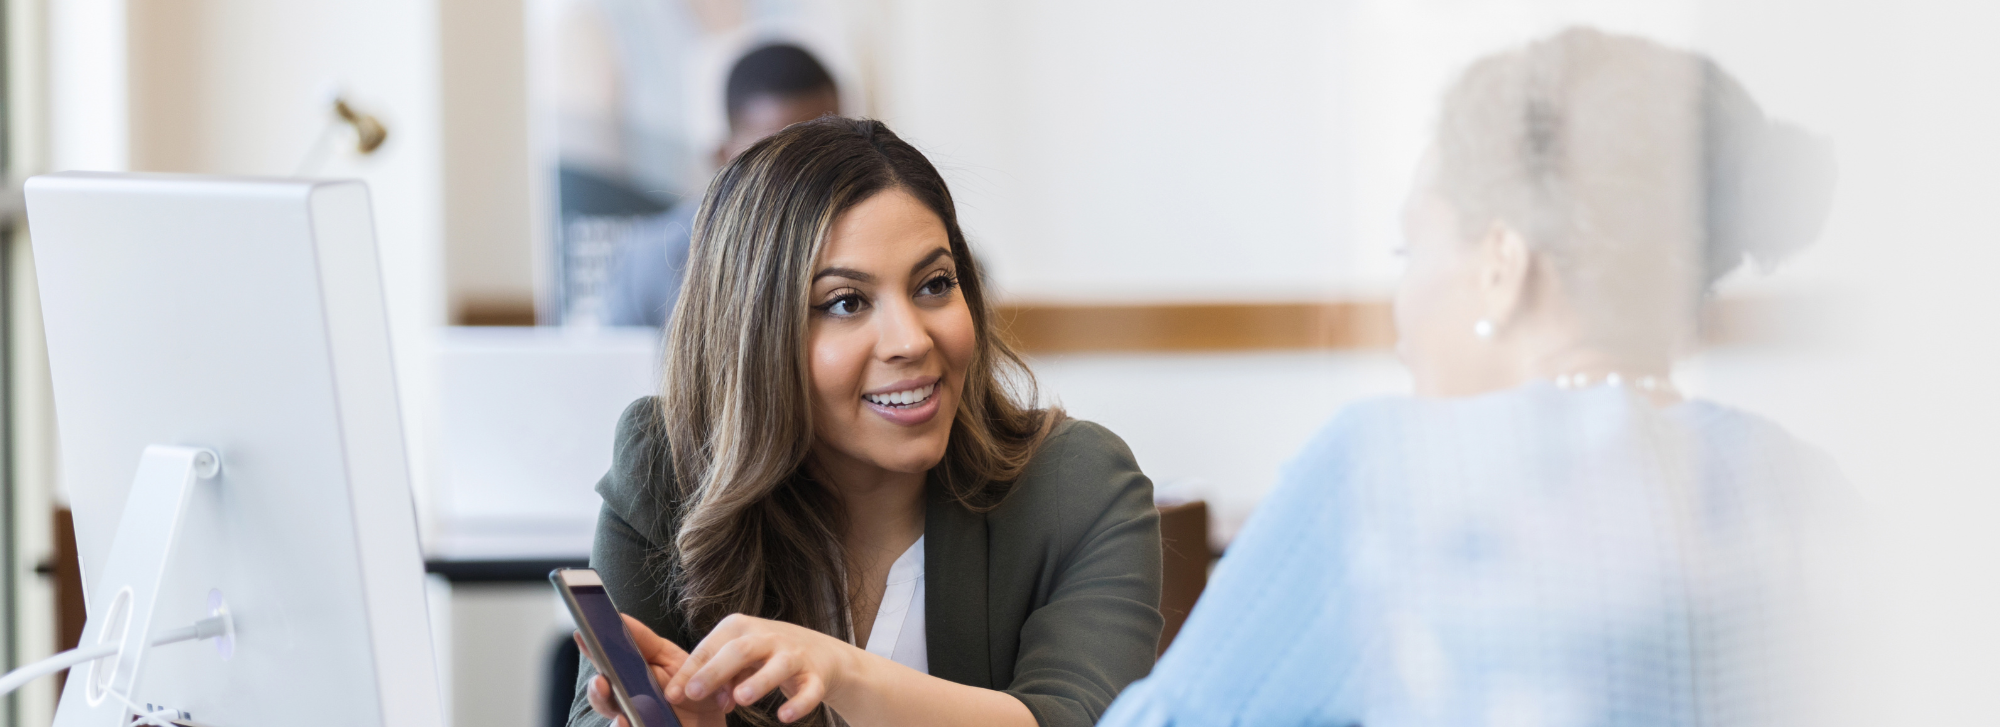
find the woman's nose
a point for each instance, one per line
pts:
(902, 333)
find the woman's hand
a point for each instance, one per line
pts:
(665, 659)
(745, 657)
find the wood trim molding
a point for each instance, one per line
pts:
(1074, 328)
(494, 313)
(1040, 328)
(1355, 325)
(1344, 325)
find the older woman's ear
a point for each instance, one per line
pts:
(1505, 265)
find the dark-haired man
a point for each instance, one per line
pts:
(769, 89)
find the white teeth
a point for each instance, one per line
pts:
(905, 397)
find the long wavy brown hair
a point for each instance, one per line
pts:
(757, 533)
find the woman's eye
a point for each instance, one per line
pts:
(845, 305)
(938, 286)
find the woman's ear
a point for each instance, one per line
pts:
(1504, 264)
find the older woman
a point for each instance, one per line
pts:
(844, 501)
(1550, 533)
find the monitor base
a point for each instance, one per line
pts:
(125, 595)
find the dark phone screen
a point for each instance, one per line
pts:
(623, 656)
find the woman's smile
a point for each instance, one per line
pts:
(909, 402)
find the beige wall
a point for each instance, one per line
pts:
(488, 211)
(172, 104)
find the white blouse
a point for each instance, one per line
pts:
(899, 622)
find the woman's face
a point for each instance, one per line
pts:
(1437, 301)
(890, 339)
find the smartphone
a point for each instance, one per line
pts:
(611, 649)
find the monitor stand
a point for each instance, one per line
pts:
(122, 602)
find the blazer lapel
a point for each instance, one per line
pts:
(955, 628)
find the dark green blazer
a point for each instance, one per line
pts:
(1053, 597)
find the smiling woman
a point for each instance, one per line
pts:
(844, 502)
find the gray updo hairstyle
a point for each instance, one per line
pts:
(1639, 173)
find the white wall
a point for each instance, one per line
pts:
(86, 61)
(1164, 151)
(1177, 151)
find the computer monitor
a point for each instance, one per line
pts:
(243, 317)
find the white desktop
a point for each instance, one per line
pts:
(196, 319)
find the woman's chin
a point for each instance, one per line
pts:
(914, 465)
(911, 457)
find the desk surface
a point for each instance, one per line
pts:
(499, 571)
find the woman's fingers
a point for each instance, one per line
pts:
(810, 690)
(723, 633)
(719, 671)
(777, 669)
(656, 649)
(599, 693)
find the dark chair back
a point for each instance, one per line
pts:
(1184, 561)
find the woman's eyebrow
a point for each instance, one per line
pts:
(856, 275)
(928, 259)
(849, 273)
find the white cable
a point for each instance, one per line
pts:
(207, 628)
(162, 717)
(20, 677)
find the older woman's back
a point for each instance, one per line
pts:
(1535, 556)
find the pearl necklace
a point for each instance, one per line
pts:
(1649, 384)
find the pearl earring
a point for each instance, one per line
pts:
(1483, 329)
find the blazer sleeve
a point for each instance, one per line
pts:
(631, 528)
(1099, 630)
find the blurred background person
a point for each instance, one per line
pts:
(769, 88)
(1549, 533)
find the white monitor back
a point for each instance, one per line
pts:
(245, 316)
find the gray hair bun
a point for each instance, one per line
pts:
(1769, 184)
